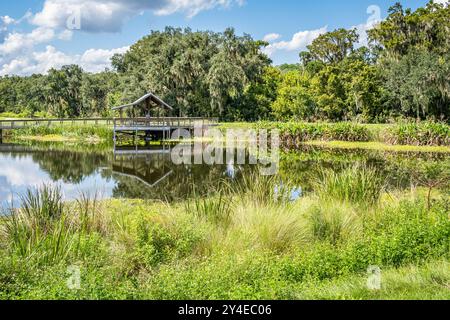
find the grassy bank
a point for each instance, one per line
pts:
(69, 133)
(378, 146)
(246, 241)
(366, 136)
(408, 133)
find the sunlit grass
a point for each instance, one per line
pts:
(378, 146)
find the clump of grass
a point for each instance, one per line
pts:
(215, 209)
(42, 207)
(39, 229)
(358, 184)
(90, 214)
(334, 222)
(261, 190)
(44, 232)
(425, 133)
(277, 229)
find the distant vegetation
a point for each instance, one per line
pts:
(402, 73)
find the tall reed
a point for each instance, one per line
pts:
(358, 184)
(47, 231)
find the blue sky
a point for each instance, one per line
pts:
(35, 34)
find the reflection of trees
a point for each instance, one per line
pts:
(70, 167)
(182, 182)
(69, 162)
(302, 166)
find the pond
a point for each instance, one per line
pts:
(149, 172)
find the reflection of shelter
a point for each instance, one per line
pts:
(149, 165)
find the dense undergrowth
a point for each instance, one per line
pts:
(245, 241)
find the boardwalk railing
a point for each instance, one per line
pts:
(112, 122)
(164, 122)
(26, 123)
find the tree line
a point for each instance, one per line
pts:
(403, 71)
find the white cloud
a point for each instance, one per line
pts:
(93, 60)
(65, 35)
(194, 7)
(271, 37)
(298, 42)
(17, 42)
(6, 20)
(444, 2)
(97, 60)
(110, 15)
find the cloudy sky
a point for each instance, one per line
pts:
(36, 35)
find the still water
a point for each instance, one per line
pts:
(149, 173)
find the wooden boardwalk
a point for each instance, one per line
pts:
(118, 123)
(159, 126)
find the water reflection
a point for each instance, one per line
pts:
(125, 172)
(148, 173)
(23, 169)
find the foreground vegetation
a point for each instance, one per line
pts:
(249, 240)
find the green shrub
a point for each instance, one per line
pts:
(158, 243)
(214, 209)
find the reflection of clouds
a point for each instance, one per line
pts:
(19, 174)
(5, 194)
(94, 185)
(22, 171)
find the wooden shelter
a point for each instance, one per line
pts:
(148, 103)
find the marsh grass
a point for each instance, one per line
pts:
(45, 230)
(261, 190)
(425, 133)
(334, 222)
(90, 214)
(217, 209)
(358, 184)
(293, 133)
